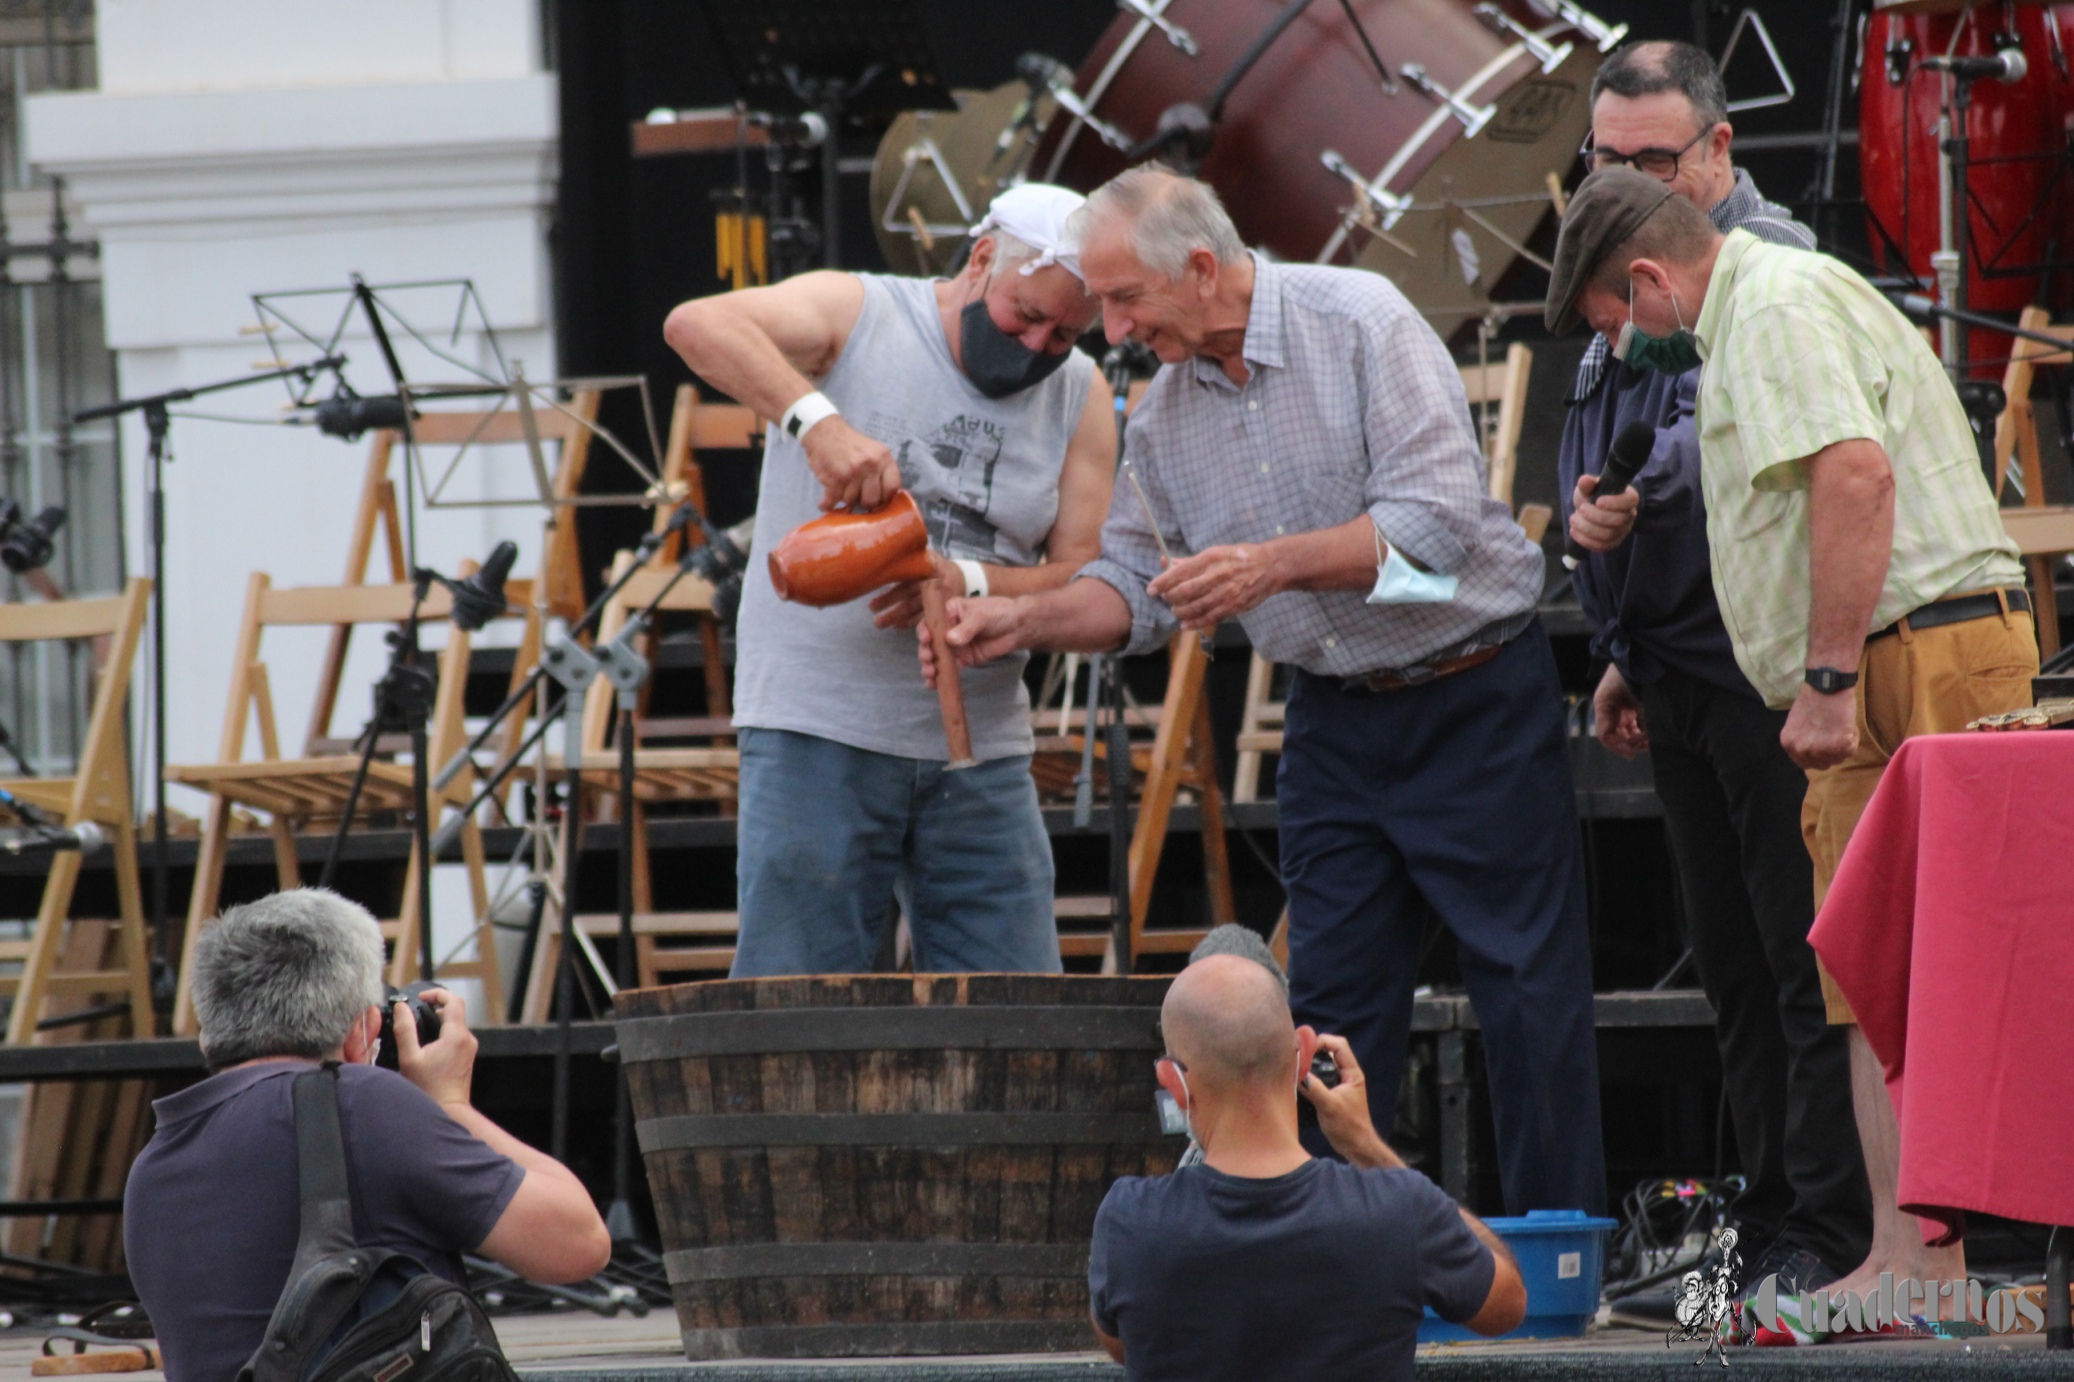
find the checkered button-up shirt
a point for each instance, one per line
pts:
(1353, 406)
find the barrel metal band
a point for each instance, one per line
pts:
(918, 1337)
(893, 1129)
(997, 1027)
(742, 1260)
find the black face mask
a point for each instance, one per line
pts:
(996, 362)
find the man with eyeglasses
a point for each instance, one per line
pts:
(1731, 796)
(1263, 1262)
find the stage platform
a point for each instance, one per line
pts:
(584, 1348)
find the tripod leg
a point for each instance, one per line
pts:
(619, 1218)
(421, 808)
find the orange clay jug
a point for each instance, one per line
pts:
(840, 557)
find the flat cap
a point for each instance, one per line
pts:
(1606, 209)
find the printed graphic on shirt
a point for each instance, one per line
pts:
(950, 471)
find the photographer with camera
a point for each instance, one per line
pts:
(1263, 1262)
(211, 1212)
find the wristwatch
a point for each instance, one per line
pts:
(1828, 680)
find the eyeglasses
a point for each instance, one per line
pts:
(1175, 1063)
(1661, 164)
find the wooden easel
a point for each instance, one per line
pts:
(98, 793)
(2042, 532)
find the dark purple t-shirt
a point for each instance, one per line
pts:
(1320, 1275)
(211, 1214)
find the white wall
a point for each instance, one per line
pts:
(241, 146)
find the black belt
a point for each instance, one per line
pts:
(1958, 610)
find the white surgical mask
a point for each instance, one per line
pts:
(1398, 582)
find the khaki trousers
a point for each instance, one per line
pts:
(1928, 681)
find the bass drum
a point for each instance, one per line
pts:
(2020, 182)
(1435, 179)
(937, 170)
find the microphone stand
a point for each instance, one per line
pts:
(575, 669)
(402, 701)
(158, 426)
(1107, 672)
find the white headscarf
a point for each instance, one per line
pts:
(1035, 213)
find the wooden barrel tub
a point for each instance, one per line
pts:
(889, 1164)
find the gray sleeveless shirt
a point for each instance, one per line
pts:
(986, 475)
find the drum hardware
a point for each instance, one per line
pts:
(1191, 127)
(1154, 13)
(1550, 58)
(1058, 79)
(1606, 37)
(1900, 57)
(1377, 209)
(1473, 117)
(1752, 20)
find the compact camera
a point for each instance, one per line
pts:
(426, 1015)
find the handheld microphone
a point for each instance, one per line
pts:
(347, 416)
(1629, 454)
(480, 598)
(86, 837)
(2007, 66)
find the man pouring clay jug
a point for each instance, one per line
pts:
(967, 394)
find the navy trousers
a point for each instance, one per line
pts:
(1455, 795)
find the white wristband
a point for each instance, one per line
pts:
(806, 411)
(975, 578)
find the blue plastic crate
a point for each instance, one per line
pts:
(1562, 1258)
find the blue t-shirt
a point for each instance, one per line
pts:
(1315, 1276)
(212, 1210)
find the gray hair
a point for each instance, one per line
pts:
(285, 976)
(1167, 218)
(1643, 69)
(1244, 942)
(1008, 252)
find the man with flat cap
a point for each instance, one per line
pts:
(1307, 464)
(1863, 573)
(1731, 797)
(966, 392)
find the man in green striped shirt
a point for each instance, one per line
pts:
(1858, 556)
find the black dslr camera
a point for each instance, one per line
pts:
(426, 1014)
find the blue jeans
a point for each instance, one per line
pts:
(1457, 796)
(830, 835)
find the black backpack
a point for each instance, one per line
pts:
(350, 1314)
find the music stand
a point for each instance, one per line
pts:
(837, 58)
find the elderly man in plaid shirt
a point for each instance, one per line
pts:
(1307, 445)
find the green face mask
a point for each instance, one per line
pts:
(1672, 354)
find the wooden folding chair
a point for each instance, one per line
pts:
(2043, 532)
(98, 792)
(712, 773)
(299, 793)
(1182, 757)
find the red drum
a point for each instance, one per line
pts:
(1435, 179)
(2020, 183)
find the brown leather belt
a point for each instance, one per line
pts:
(1959, 609)
(1447, 667)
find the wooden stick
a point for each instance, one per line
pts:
(139, 1359)
(948, 688)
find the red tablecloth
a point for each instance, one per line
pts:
(1951, 929)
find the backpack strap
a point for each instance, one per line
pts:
(320, 1151)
